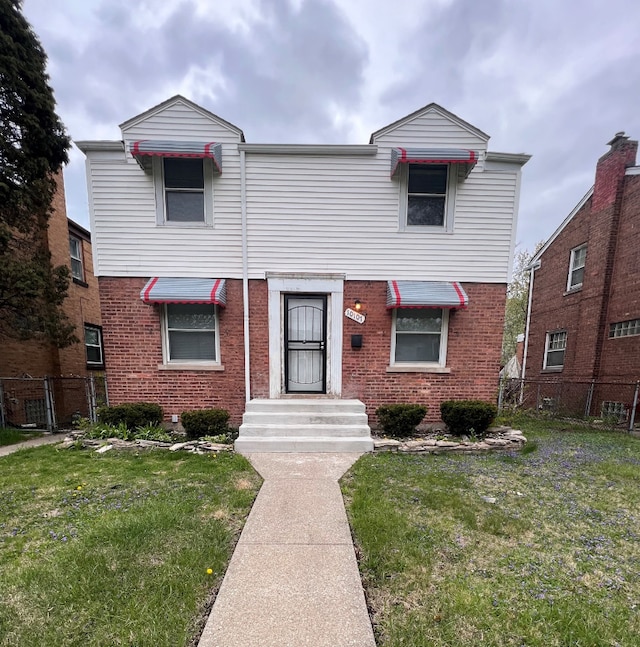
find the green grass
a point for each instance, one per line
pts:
(10, 436)
(553, 562)
(114, 549)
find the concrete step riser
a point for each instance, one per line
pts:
(279, 444)
(305, 418)
(305, 431)
(300, 406)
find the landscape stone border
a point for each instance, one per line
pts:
(496, 439)
(102, 446)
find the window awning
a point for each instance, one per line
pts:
(185, 290)
(145, 149)
(466, 158)
(426, 294)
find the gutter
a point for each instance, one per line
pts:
(532, 268)
(245, 275)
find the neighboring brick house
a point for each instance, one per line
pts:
(69, 244)
(584, 313)
(231, 271)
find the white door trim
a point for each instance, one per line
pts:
(333, 286)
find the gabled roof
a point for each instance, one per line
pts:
(432, 107)
(557, 232)
(178, 98)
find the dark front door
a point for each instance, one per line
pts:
(305, 343)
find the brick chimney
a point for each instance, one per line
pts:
(610, 170)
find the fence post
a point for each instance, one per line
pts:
(92, 399)
(538, 400)
(500, 395)
(49, 405)
(587, 406)
(632, 417)
(3, 422)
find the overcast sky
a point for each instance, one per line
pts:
(552, 78)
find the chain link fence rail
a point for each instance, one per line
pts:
(50, 402)
(612, 405)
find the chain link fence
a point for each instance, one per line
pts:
(612, 405)
(50, 402)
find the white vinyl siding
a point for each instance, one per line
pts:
(305, 213)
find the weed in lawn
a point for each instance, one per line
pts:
(536, 549)
(113, 550)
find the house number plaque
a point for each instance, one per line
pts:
(356, 316)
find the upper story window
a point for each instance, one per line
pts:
(183, 189)
(427, 195)
(576, 267)
(419, 336)
(75, 250)
(428, 179)
(555, 347)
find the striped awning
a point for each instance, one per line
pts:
(145, 149)
(426, 294)
(185, 290)
(466, 158)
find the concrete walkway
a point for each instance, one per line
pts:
(49, 439)
(293, 579)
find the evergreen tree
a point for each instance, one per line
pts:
(33, 148)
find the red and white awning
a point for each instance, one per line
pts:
(461, 156)
(145, 149)
(426, 294)
(185, 290)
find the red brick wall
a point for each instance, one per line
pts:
(82, 304)
(133, 351)
(473, 351)
(259, 338)
(621, 356)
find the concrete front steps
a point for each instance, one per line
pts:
(304, 425)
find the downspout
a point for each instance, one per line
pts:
(245, 276)
(534, 267)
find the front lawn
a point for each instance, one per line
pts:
(10, 436)
(114, 549)
(536, 549)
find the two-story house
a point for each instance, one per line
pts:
(271, 274)
(584, 307)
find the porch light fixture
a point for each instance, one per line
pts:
(357, 305)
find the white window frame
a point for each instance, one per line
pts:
(449, 201)
(78, 259)
(444, 334)
(628, 328)
(167, 361)
(547, 341)
(572, 268)
(100, 345)
(161, 214)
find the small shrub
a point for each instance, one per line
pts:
(133, 415)
(102, 431)
(205, 422)
(400, 420)
(467, 416)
